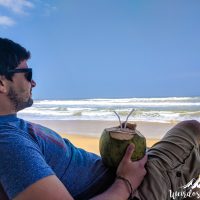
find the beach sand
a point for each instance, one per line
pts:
(91, 144)
(86, 133)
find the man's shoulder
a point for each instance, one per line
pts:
(6, 129)
(12, 135)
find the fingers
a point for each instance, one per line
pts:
(132, 170)
(127, 156)
(129, 152)
(143, 160)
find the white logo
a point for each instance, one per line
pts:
(187, 190)
(192, 184)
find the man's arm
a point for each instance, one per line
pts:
(51, 187)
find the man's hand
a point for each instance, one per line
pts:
(135, 171)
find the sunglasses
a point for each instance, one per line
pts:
(27, 72)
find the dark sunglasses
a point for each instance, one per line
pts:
(27, 72)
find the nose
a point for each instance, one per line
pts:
(33, 83)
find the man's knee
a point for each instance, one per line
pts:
(190, 126)
(193, 125)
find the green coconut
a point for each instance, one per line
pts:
(114, 142)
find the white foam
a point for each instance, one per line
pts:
(147, 109)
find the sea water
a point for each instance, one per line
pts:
(171, 109)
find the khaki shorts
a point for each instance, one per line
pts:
(172, 163)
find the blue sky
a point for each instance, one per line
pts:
(108, 48)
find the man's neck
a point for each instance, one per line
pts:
(7, 113)
(6, 107)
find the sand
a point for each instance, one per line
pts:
(91, 144)
(86, 133)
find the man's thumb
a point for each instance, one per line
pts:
(129, 152)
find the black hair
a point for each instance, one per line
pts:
(11, 54)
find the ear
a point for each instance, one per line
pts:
(3, 85)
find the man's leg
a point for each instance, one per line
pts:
(172, 163)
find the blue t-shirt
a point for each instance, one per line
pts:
(30, 152)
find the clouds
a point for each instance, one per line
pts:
(17, 7)
(6, 21)
(14, 9)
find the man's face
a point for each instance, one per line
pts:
(20, 90)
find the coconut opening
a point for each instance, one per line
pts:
(121, 135)
(120, 130)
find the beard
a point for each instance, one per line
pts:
(19, 103)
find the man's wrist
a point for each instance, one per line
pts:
(118, 191)
(128, 185)
(122, 188)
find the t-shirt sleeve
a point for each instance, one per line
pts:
(21, 163)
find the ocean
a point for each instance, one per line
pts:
(171, 109)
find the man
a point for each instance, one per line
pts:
(36, 163)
